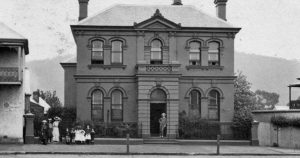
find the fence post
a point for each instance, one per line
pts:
(127, 143)
(218, 144)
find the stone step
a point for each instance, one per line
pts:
(160, 141)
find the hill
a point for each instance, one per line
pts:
(267, 73)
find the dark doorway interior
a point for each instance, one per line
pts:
(156, 109)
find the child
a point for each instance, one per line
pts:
(68, 137)
(92, 136)
(162, 124)
(72, 136)
(88, 132)
(44, 132)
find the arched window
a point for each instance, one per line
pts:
(97, 105)
(195, 103)
(97, 52)
(158, 95)
(117, 52)
(213, 54)
(156, 52)
(117, 106)
(214, 105)
(195, 53)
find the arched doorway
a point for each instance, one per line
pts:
(158, 106)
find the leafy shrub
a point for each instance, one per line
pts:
(197, 128)
(282, 121)
(242, 123)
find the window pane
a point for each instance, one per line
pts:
(97, 97)
(194, 56)
(195, 97)
(195, 46)
(156, 44)
(116, 114)
(214, 97)
(97, 45)
(156, 55)
(213, 57)
(213, 46)
(213, 114)
(116, 97)
(116, 46)
(116, 57)
(97, 55)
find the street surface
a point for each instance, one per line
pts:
(132, 156)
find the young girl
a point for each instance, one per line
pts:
(88, 132)
(162, 124)
(68, 136)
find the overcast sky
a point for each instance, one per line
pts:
(269, 27)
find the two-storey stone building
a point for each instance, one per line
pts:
(13, 49)
(135, 62)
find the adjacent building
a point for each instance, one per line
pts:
(13, 49)
(135, 62)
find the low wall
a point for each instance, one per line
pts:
(270, 135)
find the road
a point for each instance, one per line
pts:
(132, 156)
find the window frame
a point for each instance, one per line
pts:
(93, 105)
(120, 52)
(156, 61)
(198, 102)
(93, 61)
(214, 106)
(198, 62)
(122, 106)
(218, 63)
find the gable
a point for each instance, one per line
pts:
(157, 21)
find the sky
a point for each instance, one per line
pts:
(269, 27)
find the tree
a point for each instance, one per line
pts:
(266, 100)
(51, 98)
(243, 96)
(244, 103)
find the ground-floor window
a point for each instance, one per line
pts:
(97, 105)
(195, 103)
(117, 106)
(214, 105)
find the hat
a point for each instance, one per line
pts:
(163, 114)
(44, 121)
(50, 119)
(56, 118)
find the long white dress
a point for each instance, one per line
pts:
(55, 131)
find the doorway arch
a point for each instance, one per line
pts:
(158, 105)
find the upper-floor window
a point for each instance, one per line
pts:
(117, 52)
(97, 105)
(214, 105)
(213, 54)
(117, 106)
(195, 103)
(195, 53)
(156, 52)
(97, 52)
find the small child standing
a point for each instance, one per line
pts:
(162, 124)
(68, 136)
(88, 132)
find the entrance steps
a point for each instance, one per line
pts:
(158, 140)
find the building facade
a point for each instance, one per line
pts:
(13, 48)
(135, 62)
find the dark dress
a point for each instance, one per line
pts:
(44, 134)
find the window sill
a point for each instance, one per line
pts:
(107, 66)
(204, 67)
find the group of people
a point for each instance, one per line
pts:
(50, 133)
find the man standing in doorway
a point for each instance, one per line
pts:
(162, 124)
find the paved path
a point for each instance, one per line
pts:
(150, 149)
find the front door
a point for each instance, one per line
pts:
(156, 109)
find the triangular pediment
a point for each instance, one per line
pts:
(157, 21)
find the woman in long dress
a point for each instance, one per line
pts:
(162, 124)
(55, 132)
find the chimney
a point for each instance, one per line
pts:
(221, 9)
(36, 96)
(83, 9)
(177, 2)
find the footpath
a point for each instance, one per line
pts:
(143, 149)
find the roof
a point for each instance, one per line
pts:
(8, 33)
(127, 15)
(41, 103)
(8, 36)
